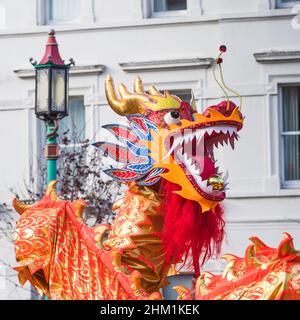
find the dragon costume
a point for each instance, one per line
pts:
(264, 273)
(169, 214)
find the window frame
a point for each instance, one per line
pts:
(181, 92)
(44, 15)
(280, 5)
(285, 184)
(163, 14)
(77, 144)
(73, 146)
(41, 133)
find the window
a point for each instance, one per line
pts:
(286, 3)
(168, 7)
(71, 134)
(290, 135)
(61, 11)
(184, 95)
(73, 126)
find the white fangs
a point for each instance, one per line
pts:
(228, 134)
(223, 129)
(194, 170)
(206, 188)
(186, 139)
(182, 147)
(225, 134)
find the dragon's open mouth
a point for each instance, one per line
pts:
(193, 150)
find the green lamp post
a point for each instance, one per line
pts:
(51, 98)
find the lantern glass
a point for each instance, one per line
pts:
(42, 91)
(59, 92)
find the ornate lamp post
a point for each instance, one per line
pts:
(51, 97)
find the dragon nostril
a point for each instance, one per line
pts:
(175, 114)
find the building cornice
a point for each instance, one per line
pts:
(277, 56)
(150, 22)
(170, 64)
(87, 70)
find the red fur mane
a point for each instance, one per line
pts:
(187, 230)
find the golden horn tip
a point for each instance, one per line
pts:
(109, 78)
(79, 206)
(51, 190)
(181, 289)
(153, 91)
(136, 279)
(20, 206)
(128, 103)
(51, 187)
(138, 85)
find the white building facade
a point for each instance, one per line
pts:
(169, 43)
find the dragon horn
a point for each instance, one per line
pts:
(153, 91)
(79, 206)
(138, 85)
(183, 293)
(129, 103)
(135, 277)
(51, 190)
(124, 93)
(111, 96)
(193, 102)
(20, 206)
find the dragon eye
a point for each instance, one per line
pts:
(172, 117)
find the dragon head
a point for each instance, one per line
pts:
(166, 138)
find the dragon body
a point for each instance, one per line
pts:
(264, 273)
(170, 212)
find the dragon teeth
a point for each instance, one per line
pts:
(208, 189)
(177, 141)
(205, 187)
(230, 134)
(231, 130)
(223, 129)
(227, 135)
(199, 134)
(231, 141)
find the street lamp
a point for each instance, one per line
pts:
(51, 97)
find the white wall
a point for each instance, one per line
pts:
(114, 33)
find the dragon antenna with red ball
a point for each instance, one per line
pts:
(222, 85)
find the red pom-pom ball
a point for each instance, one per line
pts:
(219, 60)
(223, 48)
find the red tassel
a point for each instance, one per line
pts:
(189, 233)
